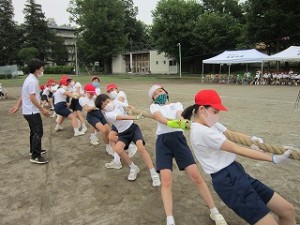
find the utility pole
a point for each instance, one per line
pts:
(179, 49)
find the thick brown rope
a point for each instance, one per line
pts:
(264, 146)
(137, 111)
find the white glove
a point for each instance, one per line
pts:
(255, 147)
(257, 139)
(281, 158)
(139, 116)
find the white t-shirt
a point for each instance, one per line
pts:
(97, 91)
(78, 85)
(59, 96)
(46, 91)
(1, 88)
(206, 144)
(121, 94)
(30, 86)
(168, 111)
(111, 117)
(90, 102)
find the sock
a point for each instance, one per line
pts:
(170, 220)
(76, 130)
(93, 135)
(131, 165)
(116, 158)
(214, 211)
(153, 172)
(108, 145)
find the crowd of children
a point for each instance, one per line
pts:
(107, 113)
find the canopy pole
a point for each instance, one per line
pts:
(202, 72)
(228, 73)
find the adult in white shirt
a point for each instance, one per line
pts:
(31, 109)
(246, 196)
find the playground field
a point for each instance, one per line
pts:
(75, 188)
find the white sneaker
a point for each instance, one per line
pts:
(156, 180)
(133, 173)
(94, 141)
(78, 133)
(113, 165)
(58, 127)
(109, 150)
(132, 149)
(218, 218)
(84, 129)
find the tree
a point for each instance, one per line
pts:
(274, 23)
(25, 54)
(216, 32)
(59, 52)
(229, 7)
(36, 31)
(102, 32)
(9, 33)
(173, 23)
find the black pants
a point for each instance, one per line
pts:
(36, 133)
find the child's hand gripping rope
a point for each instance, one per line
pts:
(282, 158)
(183, 124)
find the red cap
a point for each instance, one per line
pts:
(50, 82)
(89, 88)
(64, 81)
(66, 77)
(42, 86)
(209, 97)
(109, 87)
(95, 77)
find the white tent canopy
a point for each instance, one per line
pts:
(238, 56)
(288, 55)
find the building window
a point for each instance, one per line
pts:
(164, 62)
(156, 62)
(172, 63)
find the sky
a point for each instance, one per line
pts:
(57, 9)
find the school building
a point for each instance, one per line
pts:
(144, 62)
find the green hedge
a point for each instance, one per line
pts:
(59, 70)
(5, 76)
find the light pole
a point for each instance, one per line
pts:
(179, 49)
(76, 61)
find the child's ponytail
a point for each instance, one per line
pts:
(188, 112)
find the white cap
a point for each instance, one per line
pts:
(153, 89)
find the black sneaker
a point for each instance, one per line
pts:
(39, 160)
(42, 152)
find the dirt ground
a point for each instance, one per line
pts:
(75, 188)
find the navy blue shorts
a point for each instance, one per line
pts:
(113, 128)
(62, 109)
(246, 196)
(44, 98)
(50, 94)
(133, 133)
(75, 106)
(94, 117)
(173, 145)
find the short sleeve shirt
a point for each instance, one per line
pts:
(168, 111)
(206, 144)
(111, 117)
(30, 86)
(59, 96)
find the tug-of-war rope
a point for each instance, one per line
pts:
(242, 140)
(264, 146)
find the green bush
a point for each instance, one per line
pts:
(58, 69)
(5, 76)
